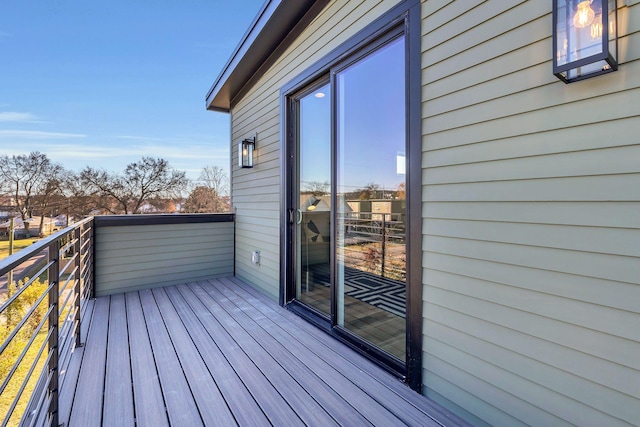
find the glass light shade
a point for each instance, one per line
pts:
(582, 48)
(584, 15)
(245, 153)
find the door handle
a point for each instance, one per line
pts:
(298, 214)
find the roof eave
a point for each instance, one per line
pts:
(271, 26)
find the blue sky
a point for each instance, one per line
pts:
(102, 83)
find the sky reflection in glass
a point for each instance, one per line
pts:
(371, 120)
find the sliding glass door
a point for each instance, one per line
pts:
(370, 188)
(313, 200)
(347, 199)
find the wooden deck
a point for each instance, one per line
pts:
(219, 353)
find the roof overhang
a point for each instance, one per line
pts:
(273, 29)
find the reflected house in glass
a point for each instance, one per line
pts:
(499, 275)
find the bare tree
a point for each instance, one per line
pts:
(48, 188)
(216, 179)
(32, 181)
(142, 181)
(317, 188)
(212, 195)
(369, 191)
(79, 197)
(201, 200)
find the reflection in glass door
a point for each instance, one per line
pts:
(349, 143)
(371, 207)
(313, 221)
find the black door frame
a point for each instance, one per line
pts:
(406, 17)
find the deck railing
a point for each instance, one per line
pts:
(375, 242)
(44, 290)
(43, 294)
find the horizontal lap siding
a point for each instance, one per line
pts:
(256, 192)
(138, 257)
(531, 221)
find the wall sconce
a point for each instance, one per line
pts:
(312, 203)
(585, 38)
(245, 152)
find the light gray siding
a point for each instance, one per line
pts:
(531, 210)
(256, 192)
(531, 221)
(136, 257)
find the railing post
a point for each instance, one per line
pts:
(11, 237)
(384, 242)
(93, 257)
(77, 248)
(53, 276)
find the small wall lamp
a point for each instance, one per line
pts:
(245, 152)
(585, 38)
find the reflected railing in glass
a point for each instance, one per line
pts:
(375, 243)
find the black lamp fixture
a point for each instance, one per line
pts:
(245, 152)
(585, 38)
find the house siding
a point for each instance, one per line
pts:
(256, 192)
(146, 256)
(531, 221)
(530, 210)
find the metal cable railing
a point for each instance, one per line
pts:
(43, 294)
(375, 242)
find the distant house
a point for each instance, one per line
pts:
(7, 207)
(510, 292)
(20, 232)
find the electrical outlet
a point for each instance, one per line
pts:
(255, 257)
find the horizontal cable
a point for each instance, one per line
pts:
(43, 402)
(24, 287)
(24, 320)
(69, 261)
(64, 248)
(24, 351)
(27, 378)
(72, 274)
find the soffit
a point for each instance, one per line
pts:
(272, 28)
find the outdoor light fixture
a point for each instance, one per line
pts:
(245, 152)
(313, 204)
(585, 38)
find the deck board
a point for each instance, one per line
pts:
(277, 410)
(219, 352)
(205, 391)
(349, 362)
(306, 407)
(245, 409)
(73, 370)
(369, 388)
(92, 370)
(148, 402)
(328, 365)
(349, 406)
(118, 398)
(181, 407)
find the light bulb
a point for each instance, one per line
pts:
(612, 29)
(596, 29)
(585, 15)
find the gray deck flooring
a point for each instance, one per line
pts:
(219, 353)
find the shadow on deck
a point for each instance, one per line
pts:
(220, 353)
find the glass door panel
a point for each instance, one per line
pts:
(313, 222)
(371, 211)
